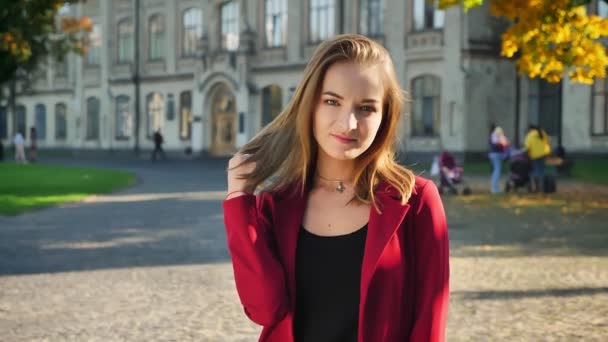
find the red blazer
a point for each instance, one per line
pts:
(405, 273)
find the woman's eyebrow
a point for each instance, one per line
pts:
(331, 93)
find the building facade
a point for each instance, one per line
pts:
(212, 73)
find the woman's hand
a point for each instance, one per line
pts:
(236, 185)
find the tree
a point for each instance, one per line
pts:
(550, 37)
(29, 32)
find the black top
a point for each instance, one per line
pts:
(328, 277)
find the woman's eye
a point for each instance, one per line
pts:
(368, 109)
(331, 102)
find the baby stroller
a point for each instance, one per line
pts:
(519, 176)
(450, 174)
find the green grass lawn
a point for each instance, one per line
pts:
(31, 186)
(591, 171)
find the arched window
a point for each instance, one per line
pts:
(61, 121)
(156, 37)
(123, 120)
(192, 22)
(230, 26)
(21, 120)
(272, 103)
(426, 93)
(40, 110)
(125, 41)
(94, 54)
(599, 116)
(156, 109)
(544, 105)
(3, 123)
(92, 118)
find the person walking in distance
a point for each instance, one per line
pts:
(331, 239)
(33, 145)
(19, 143)
(158, 146)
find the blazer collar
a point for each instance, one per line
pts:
(382, 226)
(289, 213)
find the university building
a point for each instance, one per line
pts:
(213, 72)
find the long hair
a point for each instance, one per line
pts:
(285, 150)
(539, 131)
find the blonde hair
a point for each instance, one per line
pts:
(286, 150)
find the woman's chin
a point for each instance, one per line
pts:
(344, 155)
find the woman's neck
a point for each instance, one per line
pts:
(332, 169)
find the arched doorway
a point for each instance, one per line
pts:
(223, 121)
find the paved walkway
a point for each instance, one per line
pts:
(150, 264)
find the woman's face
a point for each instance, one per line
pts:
(349, 111)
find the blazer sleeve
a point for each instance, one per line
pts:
(259, 276)
(432, 271)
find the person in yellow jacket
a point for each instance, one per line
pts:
(538, 148)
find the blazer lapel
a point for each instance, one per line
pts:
(289, 212)
(381, 228)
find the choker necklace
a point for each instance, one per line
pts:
(340, 188)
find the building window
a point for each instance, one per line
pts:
(426, 93)
(21, 120)
(599, 120)
(272, 103)
(3, 123)
(321, 20)
(156, 109)
(276, 23)
(544, 100)
(92, 118)
(170, 107)
(230, 26)
(371, 17)
(61, 121)
(156, 37)
(192, 22)
(185, 115)
(602, 9)
(40, 111)
(123, 119)
(427, 16)
(61, 67)
(94, 54)
(125, 41)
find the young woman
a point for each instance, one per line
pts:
(538, 147)
(499, 151)
(342, 243)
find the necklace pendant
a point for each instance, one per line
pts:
(340, 188)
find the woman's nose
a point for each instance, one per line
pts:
(349, 120)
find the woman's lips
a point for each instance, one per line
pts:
(342, 139)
